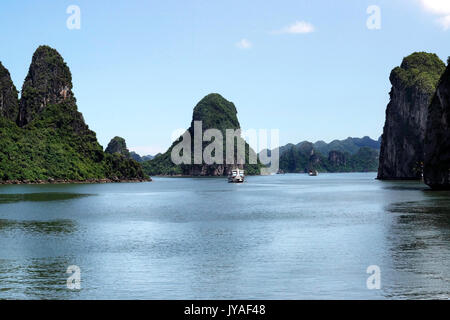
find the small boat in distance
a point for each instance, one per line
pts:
(313, 173)
(236, 176)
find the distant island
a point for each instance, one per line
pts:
(349, 155)
(118, 145)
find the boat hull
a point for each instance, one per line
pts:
(235, 180)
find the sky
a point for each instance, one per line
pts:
(314, 69)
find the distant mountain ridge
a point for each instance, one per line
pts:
(138, 158)
(350, 145)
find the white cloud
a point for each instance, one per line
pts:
(299, 27)
(440, 8)
(244, 44)
(445, 22)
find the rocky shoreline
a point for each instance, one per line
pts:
(66, 181)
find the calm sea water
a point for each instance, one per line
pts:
(276, 237)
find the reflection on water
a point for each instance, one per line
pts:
(35, 279)
(435, 211)
(276, 237)
(434, 207)
(44, 227)
(406, 186)
(419, 241)
(39, 197)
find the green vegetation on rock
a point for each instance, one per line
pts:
(419, 70)
(50, 140)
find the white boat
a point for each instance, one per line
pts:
(236, 176)
(313, 173)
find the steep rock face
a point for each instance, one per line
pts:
(337, 158)
(118, 145)
(48, 82)
(9, 101)
(215, 112)
(413, 84)
(437, 139)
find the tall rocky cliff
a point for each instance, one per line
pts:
(215, 112)
(9, 102)
(48, 82)
(44, 137)
(413, 84)
(437, 139)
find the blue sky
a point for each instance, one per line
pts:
(311, 69)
